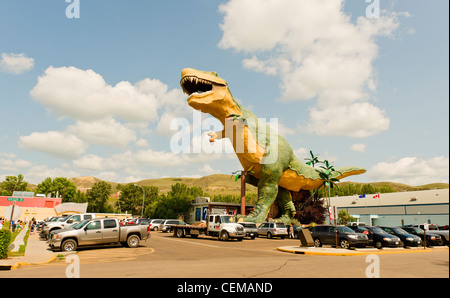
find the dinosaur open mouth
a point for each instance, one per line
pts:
(193, 84)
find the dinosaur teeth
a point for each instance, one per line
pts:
(192, 84)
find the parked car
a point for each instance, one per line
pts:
(250, 229)
(408, 239)
(273, 229)
(142, 221)
(155, 224)
(434, 229)
(346, 237)
(166, 225)
(378, 237)
(432, 239)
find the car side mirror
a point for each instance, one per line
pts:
(70, 221)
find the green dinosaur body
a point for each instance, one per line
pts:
(267, 156)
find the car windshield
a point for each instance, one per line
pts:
(378, 230)
(345, 230)
(79, 225)
(228, 219)
(415, 229)
(399, 231)
(249, 225)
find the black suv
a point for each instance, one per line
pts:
(432, 239)
(378, 237)
(346, 237)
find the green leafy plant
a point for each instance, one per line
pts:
(5, 239)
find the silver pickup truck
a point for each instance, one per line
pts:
(96, 232)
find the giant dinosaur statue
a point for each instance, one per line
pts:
(268, 157)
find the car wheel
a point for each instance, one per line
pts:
(317, 242)
(378, 245)
(224, 236)
(180, 233)
(344, 243)
(133, 241)
(269, 235)
(69, 245)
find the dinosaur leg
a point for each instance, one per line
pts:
(267, 193)
(284, 200)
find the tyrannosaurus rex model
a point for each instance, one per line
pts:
(271, 164)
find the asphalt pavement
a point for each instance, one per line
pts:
(38, 252)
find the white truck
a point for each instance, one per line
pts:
(63, 223)
(223, 226)
(97, 232)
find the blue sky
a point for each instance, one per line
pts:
(95, 95)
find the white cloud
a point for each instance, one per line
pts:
(208, 170)
(38, 173)
(89, 162)
(412, 171)
(84, 95)
(358, 148)
(15, 63)
(356, 120)
(12, 164)
(103, 132)
(316, 51)
(54, 143)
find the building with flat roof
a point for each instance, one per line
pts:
(398, 208)
(37, 207)
(202, 206)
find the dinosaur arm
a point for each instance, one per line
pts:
(216, 135)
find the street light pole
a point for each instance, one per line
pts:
(143, 198)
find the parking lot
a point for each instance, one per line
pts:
(165, 256)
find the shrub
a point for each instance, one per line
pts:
(5, 239)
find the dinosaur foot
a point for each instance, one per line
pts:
(286, 219)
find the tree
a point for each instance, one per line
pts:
(130, 199)
(97, 197)
(177, 201)
(58, 187)
(344, 217)
(313, 160)
(308, 210)
(13, 183)
(45, 187)
(64, 188)
(326, 175)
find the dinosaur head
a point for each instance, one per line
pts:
(207, 92)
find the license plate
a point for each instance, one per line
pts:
(396, 242)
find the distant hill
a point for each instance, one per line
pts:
(226, 185)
